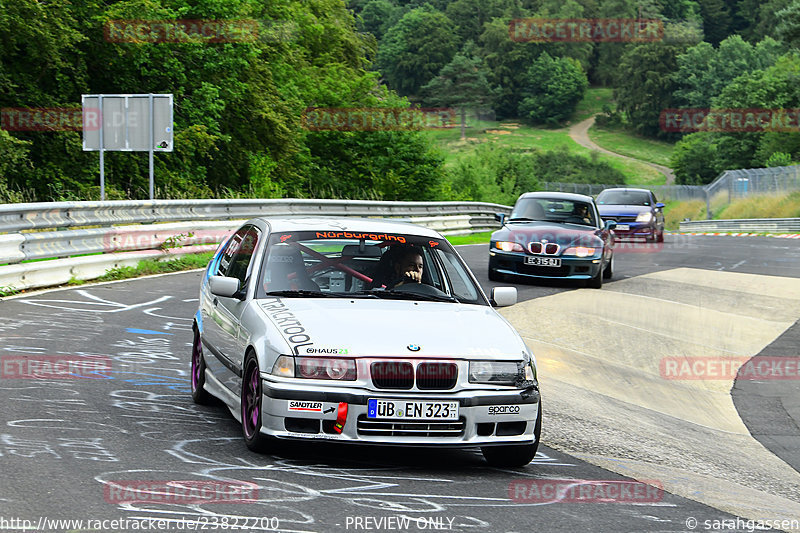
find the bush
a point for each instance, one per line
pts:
(554, 87)
(492, 174)
(695, 159)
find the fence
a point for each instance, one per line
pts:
(196, 225)
(728, 185)
(777, 225)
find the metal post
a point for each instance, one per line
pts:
(150, 151)
(102, 161)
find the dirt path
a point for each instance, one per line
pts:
(580, 134)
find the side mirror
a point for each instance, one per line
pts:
(610, 224)
(660, 205)
(501, 218)
(504, 296)
(222, 286)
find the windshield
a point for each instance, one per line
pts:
(623, 198)
(347, 264)
(553, 210)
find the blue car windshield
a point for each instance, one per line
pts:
(623, 198)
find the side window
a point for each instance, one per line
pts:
(461, 285)
(236, 259)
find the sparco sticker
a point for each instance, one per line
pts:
(503, 409)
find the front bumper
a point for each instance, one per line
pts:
(513, 263)
(485, 417)
(636, 230)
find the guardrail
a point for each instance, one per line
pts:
(778, 225)
(203, 224)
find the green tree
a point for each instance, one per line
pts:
(704, 72)
(554, 88)
(646, 84)
(694, 160)
(378, 16)
(415, 49)
(717, 20)
(461, 84)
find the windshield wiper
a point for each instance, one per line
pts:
(523, 219)
(391, 294)
(301, 294)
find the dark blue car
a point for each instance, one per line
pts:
(553, 235)
(636, 211)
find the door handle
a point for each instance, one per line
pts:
(216, 301)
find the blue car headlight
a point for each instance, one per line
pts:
(644, 216)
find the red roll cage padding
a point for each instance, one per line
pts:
(328, 261)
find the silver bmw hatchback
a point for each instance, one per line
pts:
(362, 331)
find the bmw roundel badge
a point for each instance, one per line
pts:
(413, 347)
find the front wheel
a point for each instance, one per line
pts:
(515, 455)
(199, 394)
(609, 270)
(597, 281)
(660, 237)
(251, 406)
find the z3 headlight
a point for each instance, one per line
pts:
(580, 251)
(509, 246)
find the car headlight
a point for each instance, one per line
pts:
(509, 246)
(495, 372)
(644, 216)
(315, 368)
(580, 251)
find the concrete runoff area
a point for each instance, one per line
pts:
(606, 401)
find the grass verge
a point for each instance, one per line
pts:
(473, 238)
(625, 143)
(148, 267)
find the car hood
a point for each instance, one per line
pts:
(391, 328)
(563, 234)
(622, 210)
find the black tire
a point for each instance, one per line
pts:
(608, 271)
(515, 455)
(251, 406)
(597, 281)
(200, 395)
(660, 237)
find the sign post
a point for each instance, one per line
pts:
(127, 123)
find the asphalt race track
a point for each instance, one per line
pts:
(69, 447)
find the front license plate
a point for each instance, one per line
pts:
(543, 261)
(623, 227)
(412, 410)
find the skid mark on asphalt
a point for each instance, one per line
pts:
(600, 355)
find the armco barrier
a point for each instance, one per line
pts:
(17, 217)
(203, 224)
(777, 225)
